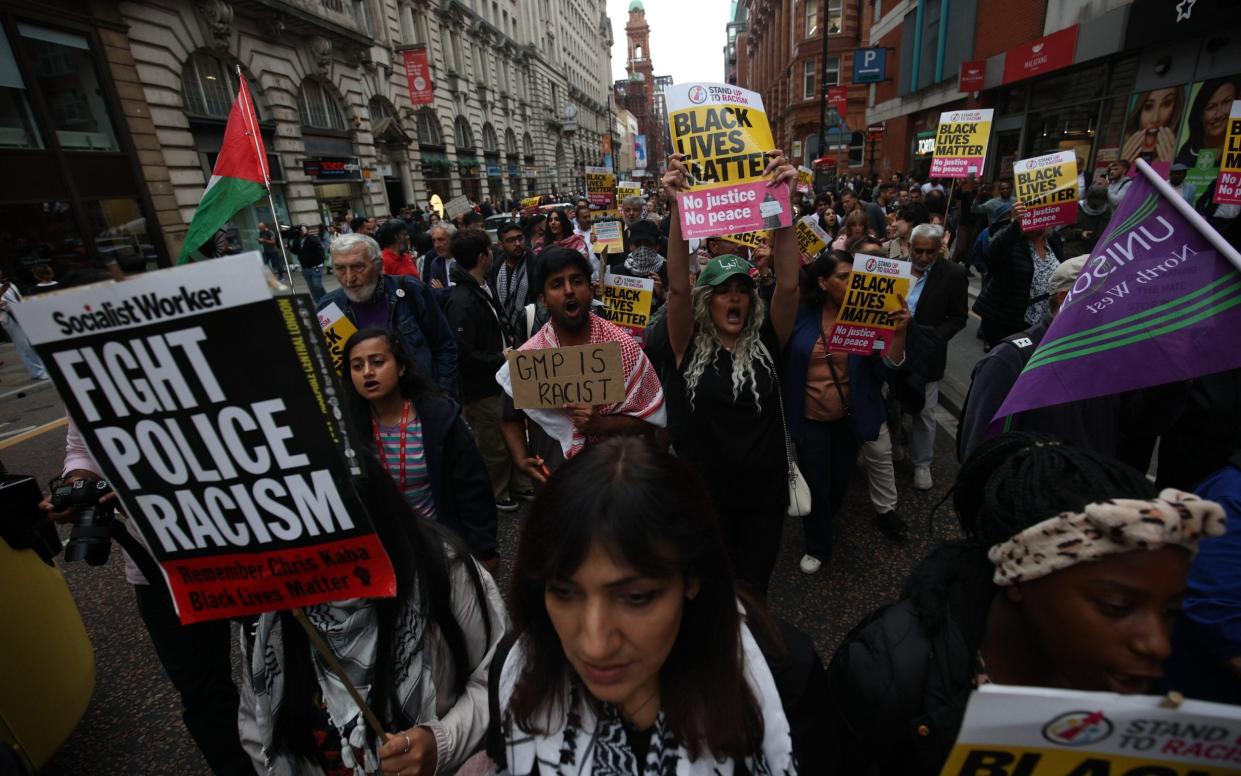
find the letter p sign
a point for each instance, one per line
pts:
(870, 65)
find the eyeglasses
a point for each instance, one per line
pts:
(924, 251)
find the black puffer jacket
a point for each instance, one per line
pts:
(899, 684)
(1010, 269)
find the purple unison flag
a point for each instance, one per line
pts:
(1158, 301)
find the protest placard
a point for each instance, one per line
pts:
(1029, 731)
(549, 378)
(627, 189)
(1228, 185)
(530, 205)
(213, 410)
(811, 238)
(805, 180)
(627, 301)
(601, 188)
(749, 239)
(607, 234)
(458, 206)
(961, 143)
(337, 329)
(1047, 186)
(863, 325)
(724, 135)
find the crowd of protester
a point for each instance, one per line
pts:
(636, 635)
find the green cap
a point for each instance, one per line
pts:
(721, 268)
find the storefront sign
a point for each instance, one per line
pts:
(870, 65)
(514, 171)
(961, 143)
(418, 74)
(1228, 187)
(924, 144)
(238, 475)
(333, 168)
(838, 99)
(1048, 53)
(493, 170)
(875, 132)
(1156, 21)
(972, 76)
(1047, 186)
(723, 132)
(1040, 732)
(864, 323)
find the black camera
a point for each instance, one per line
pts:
(90, 539)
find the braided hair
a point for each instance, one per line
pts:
(1008, 484)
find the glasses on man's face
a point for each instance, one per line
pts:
(924, 251)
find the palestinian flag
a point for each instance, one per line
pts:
(239, 178)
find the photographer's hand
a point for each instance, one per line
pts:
(66, 515)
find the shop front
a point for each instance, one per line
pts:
(338, 186)
(469, 170)
(436, 173)
(495, 185)
(530, 174)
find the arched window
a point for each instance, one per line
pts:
(490, 144)
(379, 108)
(527, 145)
(510, 143)
(210, 86)
(318, 108)
(429, 128)
(463, 135)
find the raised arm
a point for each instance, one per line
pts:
(785, 255)
(680, 308)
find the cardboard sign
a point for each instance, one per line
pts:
(626, 189)
(724, 134)
(549, 378)
(1047, 186)
(607, 234)
(337, 329)
(805, 180)
(627, 301)
(961, 143)
(1228, 186)
(236, 471)
(1041, 732)
(601, 187)
(458, 206)
(811, 238)
(863, 325)
(749, 239)
(418, 75)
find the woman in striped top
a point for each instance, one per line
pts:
(421, 439)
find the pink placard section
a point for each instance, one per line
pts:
(1228, 188)
(956, 166)
(745, 207)
(859, 340)
(1044, 216)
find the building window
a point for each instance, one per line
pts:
(510, 143)
(831, 71)
(364, 16)
(458, 62)
(210, 86)
(17, 123)
(491, 144)
(807, 89)
(527, 147)
(318, 108)
(857, 148)
(835, 16)
(429, 128)
(379, 108)
(812, 18)
(463, 135)
(65, 74)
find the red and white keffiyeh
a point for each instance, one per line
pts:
(644, 395)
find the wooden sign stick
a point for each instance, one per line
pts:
(316, 638)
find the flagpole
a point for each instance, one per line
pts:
(1193, 216)
(248, 112)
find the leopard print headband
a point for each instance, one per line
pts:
(1105, 528)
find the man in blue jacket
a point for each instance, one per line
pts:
(402, 304)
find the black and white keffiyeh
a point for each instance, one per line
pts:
(583, 743)
(643, 261)
(351, 629)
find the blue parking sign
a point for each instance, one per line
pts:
(870, 65)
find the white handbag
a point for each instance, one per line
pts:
(799, 489)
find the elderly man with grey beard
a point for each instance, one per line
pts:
(400, 303)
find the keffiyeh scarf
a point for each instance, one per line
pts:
(644, 394)
(582, 743)
(643, 261)
(351, 629)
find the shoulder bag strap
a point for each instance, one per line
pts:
(790, 452)
(831, 367)
(494, 740)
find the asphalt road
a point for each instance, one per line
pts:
(133, 725)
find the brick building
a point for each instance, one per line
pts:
(779, 54)
(1060, 75)
(641, 92)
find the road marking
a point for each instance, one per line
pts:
(15, 431)
(29, 388)
(34, 432)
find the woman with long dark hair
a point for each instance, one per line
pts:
(1208, 121)
(1069, 576)
(633, 653)
(833, 400)
(420, 659)
(721, 349)
(420, 437)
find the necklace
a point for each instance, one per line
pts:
(379, 446)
